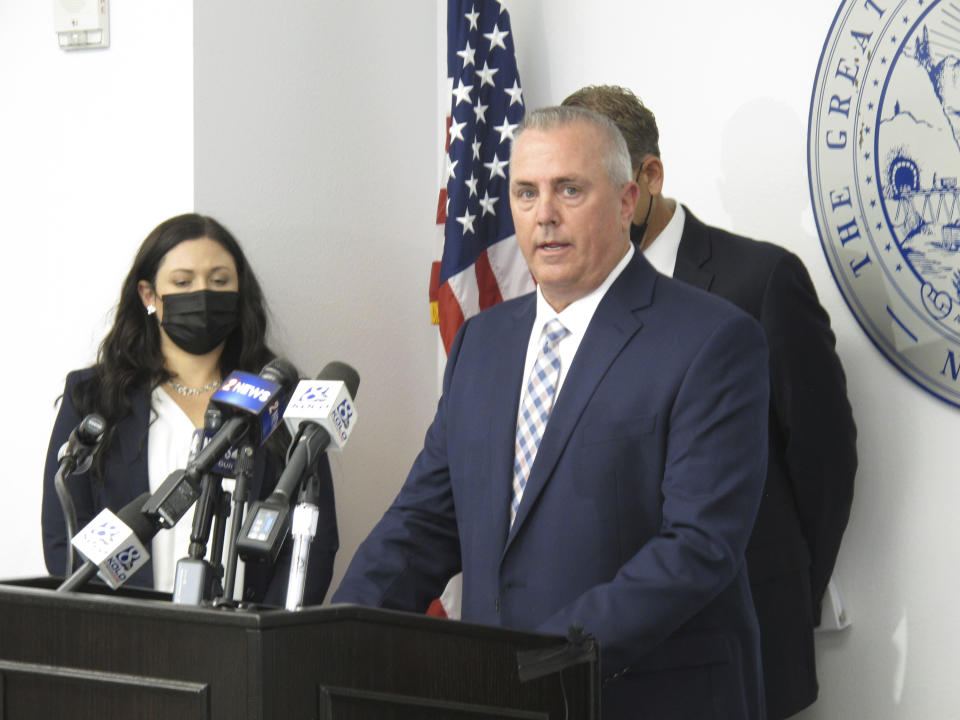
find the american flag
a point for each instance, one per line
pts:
(481, 263)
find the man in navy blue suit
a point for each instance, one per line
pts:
(812, 457)
(629, 515)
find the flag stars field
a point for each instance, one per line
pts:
(481, 264)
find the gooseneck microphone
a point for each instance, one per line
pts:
(115, 546)
(76, 456)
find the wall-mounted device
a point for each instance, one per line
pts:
(82, 24)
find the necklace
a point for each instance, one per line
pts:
(189, 391)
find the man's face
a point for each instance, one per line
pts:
(572, 224)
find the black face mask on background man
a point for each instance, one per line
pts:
(199, 321)
(638, 231)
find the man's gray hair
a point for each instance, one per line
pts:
(616, 155)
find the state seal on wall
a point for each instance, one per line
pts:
(884, 160)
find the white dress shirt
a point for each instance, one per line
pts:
(575, 318)
(662, 252)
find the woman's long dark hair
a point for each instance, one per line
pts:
(130, 362)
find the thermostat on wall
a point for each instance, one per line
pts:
(82, 24)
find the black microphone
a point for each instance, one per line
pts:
(253, 405)
(320, 412)
(113, 545)
(76, 456)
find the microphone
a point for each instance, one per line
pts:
(321, 413)
(76, 454)
(225, 467)
(253, 405)
(113, 546)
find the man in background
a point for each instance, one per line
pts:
(812, 436)
(598, 452)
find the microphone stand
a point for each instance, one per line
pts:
(242, 489)
(69, 513)
(195, 576)
(303, 529)
(221, 510)
(193, 582)
(75, 456)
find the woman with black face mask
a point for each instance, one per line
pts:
(191, 312)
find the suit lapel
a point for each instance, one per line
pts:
(612, 327)
(694, 253)
(132, 440)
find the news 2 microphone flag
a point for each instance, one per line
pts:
(481, 263)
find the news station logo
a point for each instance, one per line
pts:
(316, 397)
(342, 418)
(128, 557)
(249, 393)
(226, 466)
(315, 394)
(329, 400)
(345, 413)
(884, 160)
(272, 419)
(247, 385)
(124, 562)
(106, 533)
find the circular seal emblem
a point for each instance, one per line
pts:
(884, 160)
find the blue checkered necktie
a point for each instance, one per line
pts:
(535, 408)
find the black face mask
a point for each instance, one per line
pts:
(199, 321)
(637, 231)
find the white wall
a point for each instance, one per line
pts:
(316, 144)
(96, 148)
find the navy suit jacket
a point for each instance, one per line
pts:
(126, 477)
(637, 510)
(812, 448)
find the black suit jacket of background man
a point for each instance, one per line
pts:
(812, 453)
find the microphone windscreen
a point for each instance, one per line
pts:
(281, 372)
(340, 371)
(91, 429)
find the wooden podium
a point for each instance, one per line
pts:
(134, 655)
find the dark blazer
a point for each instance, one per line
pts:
(637, 510)
(812, 454)
(126, 477)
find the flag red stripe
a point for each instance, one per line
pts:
(487, 282)
(442, 207)
(451, 316)
(436, 609)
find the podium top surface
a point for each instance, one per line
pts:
(41, 592)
